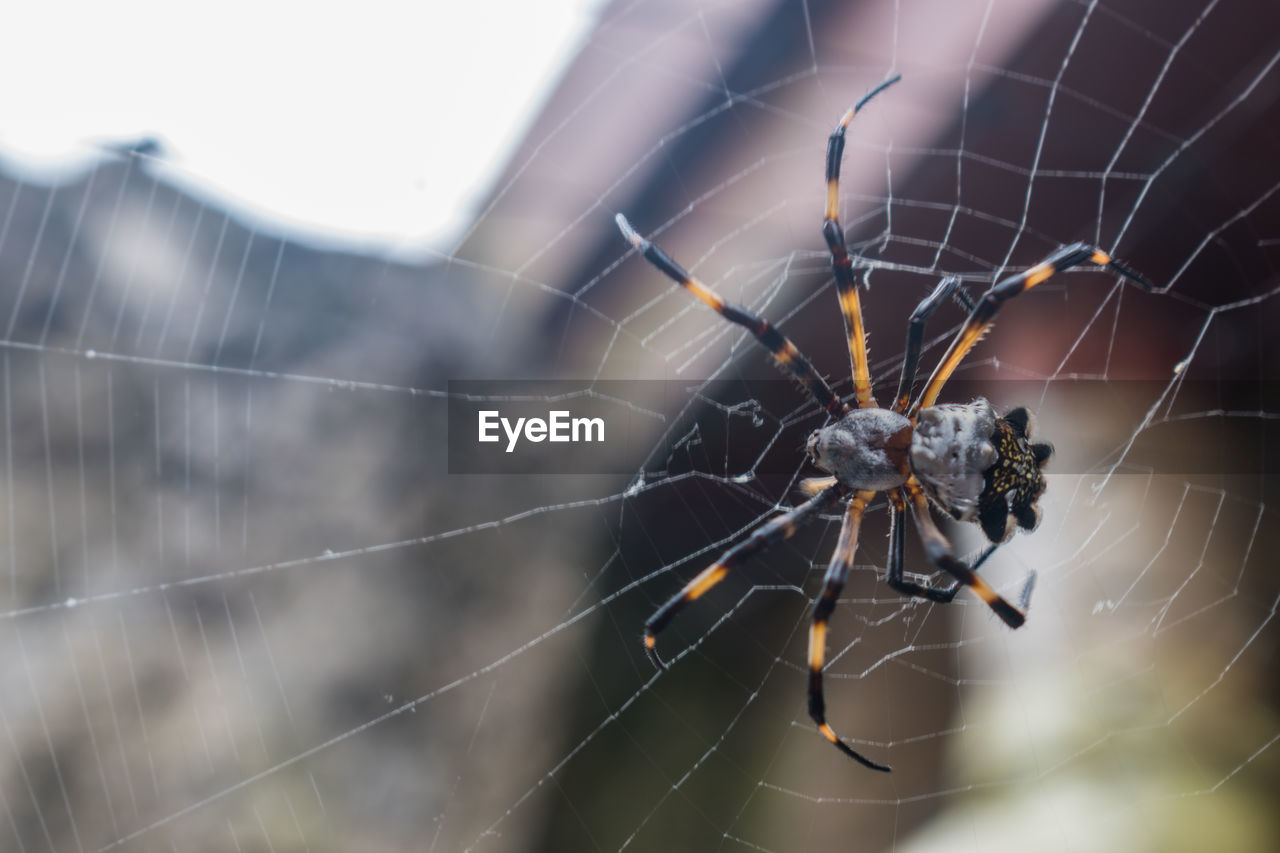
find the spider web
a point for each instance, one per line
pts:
(249, 607)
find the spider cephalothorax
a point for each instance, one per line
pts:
(865, 449)
(977, 466)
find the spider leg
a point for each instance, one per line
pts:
(984, 312)
(841, 263)
(784, 352)
(940, 553)
(894, 576)
(812, 485)
(941, 595)
(837, 572)
(768, 534)
(915, 338)
(1028, 586)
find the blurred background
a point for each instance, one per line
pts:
(246, 605)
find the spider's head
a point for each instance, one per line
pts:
(865, 449)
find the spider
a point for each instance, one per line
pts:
(974, 465)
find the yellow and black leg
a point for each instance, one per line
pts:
(895, 575)
(984, 312)
(837, 573)
(766, 535)
(915, 339)
(784, 352)
(941, 595)
(841, 263)
(940, 554)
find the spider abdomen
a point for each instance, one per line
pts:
(1013, 485)
(980, 467)
(950, 451)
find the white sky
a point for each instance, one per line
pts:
(379, 123)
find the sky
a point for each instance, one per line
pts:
(379, 128)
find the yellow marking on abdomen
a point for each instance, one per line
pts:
(705, 581)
